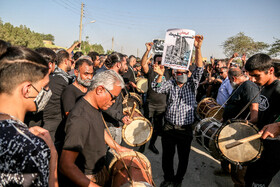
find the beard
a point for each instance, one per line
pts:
(85, 83)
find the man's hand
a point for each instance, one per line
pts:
(44, 134)
(126, 120)
(133, 84)
(270, 130)
(159, 69)
(235, 55)
(198, 41)
(149, 46)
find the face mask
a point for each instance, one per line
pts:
(234, 85)
(85, 83)
(182, 78)
(42, 99)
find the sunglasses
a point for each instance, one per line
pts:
(113, 98)
(221, 72)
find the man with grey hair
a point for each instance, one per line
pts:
(83, 156)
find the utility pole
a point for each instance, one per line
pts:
(112, 44)
(137, 52)
(81, 24)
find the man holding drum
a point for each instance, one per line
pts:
(83, 156)
(261, 70)
(179, 116)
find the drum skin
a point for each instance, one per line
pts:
(138, 132)
(142, 84)
(208, 107)
(139, 170)
(235, 130)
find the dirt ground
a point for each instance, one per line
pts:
(200, 171)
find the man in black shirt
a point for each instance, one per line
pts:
(84, 73)
(243, 93)
(52, 114)
(84, 149)
(129, 76)
(156, 103)
(261, 70)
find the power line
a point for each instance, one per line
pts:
(59, 3)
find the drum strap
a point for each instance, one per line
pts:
(244, 108)
(124, 98)
(226, 101)
(116, 149)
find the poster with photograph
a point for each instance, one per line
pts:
(178, 48)
(158, 46)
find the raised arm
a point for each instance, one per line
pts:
(70, 49)
(231, 59)
(144, 61)
(197, 44)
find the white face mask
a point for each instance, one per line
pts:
(42, 99)
(182, 78)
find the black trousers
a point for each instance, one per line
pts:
(261, 172)
(155, 115)
(172, 139)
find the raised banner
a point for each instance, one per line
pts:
(158, 46)
(178, 48)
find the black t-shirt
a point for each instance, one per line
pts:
(239, 98)
(269, 109)
(154, 98)
(52, 114)
(129, 75)
(70, 96)
(85, 135)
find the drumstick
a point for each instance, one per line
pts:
(132, 111)
(247, 139)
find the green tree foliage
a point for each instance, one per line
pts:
(274, 49)
(86, 47)
(22, 36)
(241, 43)
(48, 37)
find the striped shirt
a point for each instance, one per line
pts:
(180, 100)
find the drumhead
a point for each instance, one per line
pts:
(142, 84)
(138, 132)
(236, 130)
(213, 112)
(203, 106)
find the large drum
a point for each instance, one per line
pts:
(142, 84)
(131, 169)
(208, 107)
(205, 132)
(138, 132)
(129, 100)
(235, 130)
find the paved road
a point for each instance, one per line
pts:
(200, 169)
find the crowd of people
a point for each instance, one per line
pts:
(61, 113)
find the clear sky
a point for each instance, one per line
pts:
(132, 23)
